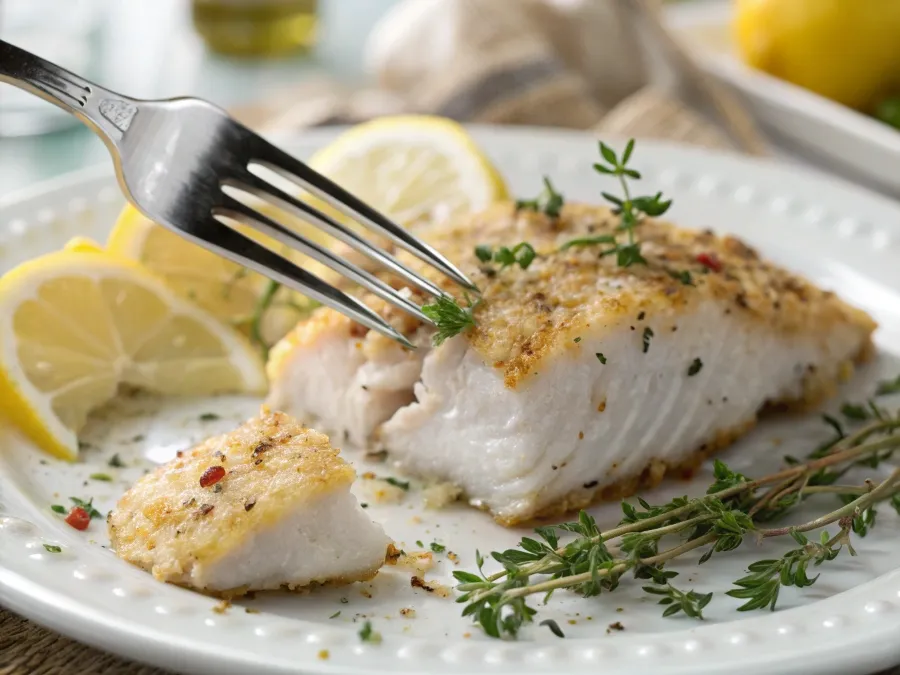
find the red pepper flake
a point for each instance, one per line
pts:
(212, 476)
(78, 518)
(710, 261)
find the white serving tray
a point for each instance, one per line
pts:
(839, 138)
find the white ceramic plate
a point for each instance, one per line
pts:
(848, 622)
(858, 146)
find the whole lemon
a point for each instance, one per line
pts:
(846, 50)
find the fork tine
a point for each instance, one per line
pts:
(293, 169)
(241, 249)
(268, 192)
(239, 211)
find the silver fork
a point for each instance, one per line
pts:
(175, 158)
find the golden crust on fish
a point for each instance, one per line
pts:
(214, 498)
(526, 315)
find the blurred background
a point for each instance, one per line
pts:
(286, 64)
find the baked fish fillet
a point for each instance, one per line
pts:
(583, 380)
(265, 506)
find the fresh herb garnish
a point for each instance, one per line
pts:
(105, 477)
(577, 340)
(690, 603)
(366, 634)
(209, 417)
(887, 387)
(522, 254)
(554, 627)
(88, 506)
(600, 357)
(588, 241)
(263, 304)
(888, 111)
(854, 411)
(396, 482)
(437, 548)
(630, 210)
(52, 549)
(645, 338)
(116, 462)
(549, 202)
(734, 510)
(419, 543)
(58, 508)
(683, 276)
(695, 367)
(335, 615)
(449, 318)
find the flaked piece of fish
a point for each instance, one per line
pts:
(584, 380)
(265, 506)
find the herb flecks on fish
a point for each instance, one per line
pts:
(549, 201)
(734, 510)
(450, 318)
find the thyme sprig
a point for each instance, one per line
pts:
(630, 209)
(549, 201)
(522, 254)
(450, 318)
(735, 506)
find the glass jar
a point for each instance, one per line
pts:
(256, 27)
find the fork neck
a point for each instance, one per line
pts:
(108, 114)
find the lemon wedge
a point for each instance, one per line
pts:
(80, 323)
(416, 169)
(227, 290)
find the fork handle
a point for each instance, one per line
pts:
(108, 114)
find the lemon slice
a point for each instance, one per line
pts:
(81, 323)
(415, 169)
(225, 289)
(83, 245)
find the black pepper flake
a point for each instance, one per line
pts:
(554, 467)
(218, 487)
(588, 486)
(577, 340)
(600, 357)
(695, 367)
(258, 462)
(615, 626)
(641, 316)
(648, 333)
(261, 448)
(365, 387)
(206, 508)
(741, 300)
(250, 503)
(189, 502)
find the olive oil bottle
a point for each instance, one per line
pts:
(256, 27)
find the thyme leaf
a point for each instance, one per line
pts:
(449, 318)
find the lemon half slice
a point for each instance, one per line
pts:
(416, 169)
(80, 323)
(227, 290)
